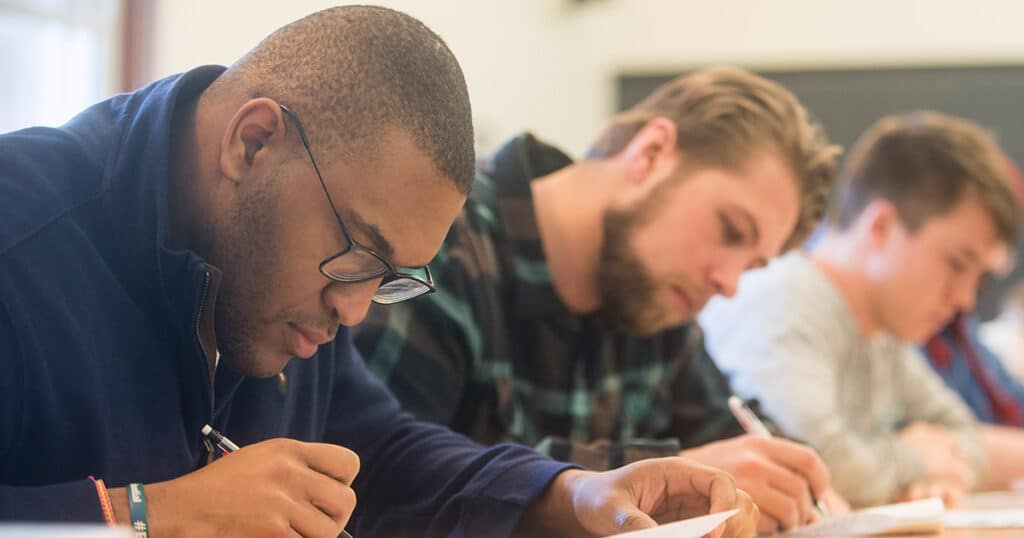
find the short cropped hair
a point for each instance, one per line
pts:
(352, 73)
(924, 163)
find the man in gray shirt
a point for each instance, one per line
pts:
(825, 339)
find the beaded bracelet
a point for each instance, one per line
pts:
(105, 506)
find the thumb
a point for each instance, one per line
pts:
(632, 519)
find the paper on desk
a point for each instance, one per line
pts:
(61, 530)
(688, 528)
(924, 516)
(984, 519)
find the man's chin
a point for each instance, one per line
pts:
(261, 367)
(652, 327)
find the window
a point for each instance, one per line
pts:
(56, 58)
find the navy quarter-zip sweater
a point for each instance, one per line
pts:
(101, 371)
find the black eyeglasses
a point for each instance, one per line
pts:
(357, 263)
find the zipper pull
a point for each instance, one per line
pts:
(282, 384)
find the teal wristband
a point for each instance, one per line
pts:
(137, 505)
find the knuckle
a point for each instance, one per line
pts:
(276, 527)
(754, 441)
(282, 448)
(348, 500)
(748, 465)
(282, 472)
(791, 517)
(348, 458)
(355, 462)
(719, 476)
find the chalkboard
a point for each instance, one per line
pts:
(847, 101)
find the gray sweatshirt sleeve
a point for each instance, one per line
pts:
(786, 340)
(793, 374)
(926, 398)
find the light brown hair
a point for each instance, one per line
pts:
(723, 116)
(924, 163)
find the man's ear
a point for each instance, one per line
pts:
(880, 222)
(649, 148)
(257, 125)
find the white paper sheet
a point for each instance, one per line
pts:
(913, 517)
(688, 528)
(984, 519)
(58, 530)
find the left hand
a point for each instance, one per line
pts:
(951, 493)
(639, 496)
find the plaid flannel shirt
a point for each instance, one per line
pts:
(495, 355)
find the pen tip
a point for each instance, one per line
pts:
(207, 429)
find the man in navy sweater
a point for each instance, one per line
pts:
(167, 253)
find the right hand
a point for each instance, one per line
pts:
(778, 474)
(278, 487)
(941, 453)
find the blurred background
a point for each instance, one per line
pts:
(561, 67)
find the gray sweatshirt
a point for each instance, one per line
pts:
(789, 339)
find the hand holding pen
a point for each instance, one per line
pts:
(328, 498)
(278, 487)
(751, 424)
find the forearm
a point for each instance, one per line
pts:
(552, 513)
(70, 501)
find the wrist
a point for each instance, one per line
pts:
(154, 500)
(119, 502)
(554, 511)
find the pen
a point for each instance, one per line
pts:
(228, 446)
(218, 439)
(753, 425)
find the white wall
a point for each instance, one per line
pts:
(549, 65)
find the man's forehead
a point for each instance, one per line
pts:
(397, 202)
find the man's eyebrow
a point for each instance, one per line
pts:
(755, 231)
(744, 215)
(378, 242)
(971, 254)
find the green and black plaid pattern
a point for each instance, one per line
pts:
(495, 355)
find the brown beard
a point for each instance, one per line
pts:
(627, 290)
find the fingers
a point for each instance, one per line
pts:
(718, 486)
(745, 523)
(682, 477)
(780, 510)
(335, 461)
(633, 520)
(951, 497)
(780, 492)
(768, 524)
(331, 497)
(308, 521)
(950, 494)
(799, 459)
(836, 504)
